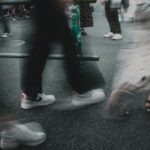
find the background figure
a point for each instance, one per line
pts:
(52, 26)
(113, 21)
(86, 18)
(130, 15)
(4, 21)
(123, 11)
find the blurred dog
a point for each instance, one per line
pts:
(133, 73)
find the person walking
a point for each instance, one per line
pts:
(51, 25)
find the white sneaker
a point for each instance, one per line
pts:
(5, 35)
(91, 97)
(117, 37)
(21, 135)
(41, 100)
(108, 35)
(78, 101)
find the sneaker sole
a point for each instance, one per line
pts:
(117, 39)
(82, 103)
(36, 143)
(38, 104)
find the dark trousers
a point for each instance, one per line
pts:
(4, 21)
(112, 18)
(51, 25)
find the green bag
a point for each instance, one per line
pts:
(75, 26)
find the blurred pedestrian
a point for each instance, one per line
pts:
(123, 10)
(5, 21)
(52, 25)
(130, 15)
